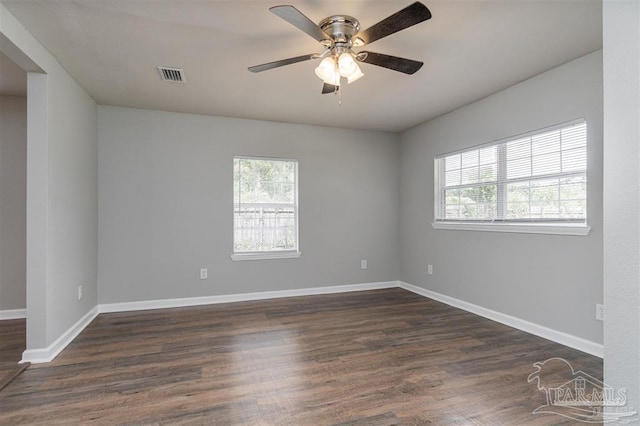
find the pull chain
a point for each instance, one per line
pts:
(337, 86)
(336, 92)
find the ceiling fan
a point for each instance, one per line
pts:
(339, 35)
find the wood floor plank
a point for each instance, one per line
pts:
(12, 344)
(369, 358)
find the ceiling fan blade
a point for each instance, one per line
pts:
(407, 17)
(299, 20)
(329, 88)
(407, 66)
(282, 62)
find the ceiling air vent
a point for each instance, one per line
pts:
(175, 75)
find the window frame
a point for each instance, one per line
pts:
(539, 226)
(272, 254)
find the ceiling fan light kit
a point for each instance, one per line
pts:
(339, 34)
(331, 70)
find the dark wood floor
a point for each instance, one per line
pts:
(369, 358)
(12, 344)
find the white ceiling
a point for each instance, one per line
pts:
(471, 49)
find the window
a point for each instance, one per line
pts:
(265, 208)
(536, 181)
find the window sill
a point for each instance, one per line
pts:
(266, 255)
(529, 228)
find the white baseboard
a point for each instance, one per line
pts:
(566, 339)
(242, 297)
(50, 352)
(10, 314)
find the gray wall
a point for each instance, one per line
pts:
(554, 281)
(72, 204)
(62, 189)
(13, 202)
(621, 33)
(165, 185)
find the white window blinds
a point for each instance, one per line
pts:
(539, 177)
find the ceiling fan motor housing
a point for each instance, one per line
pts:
(341, 28)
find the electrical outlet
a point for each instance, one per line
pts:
(430, 269)
(204, 273)
(79, 292)
(363, 264)
(599, 311)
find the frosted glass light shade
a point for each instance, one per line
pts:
(346, 65)
(327, 72)
(356, 75)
